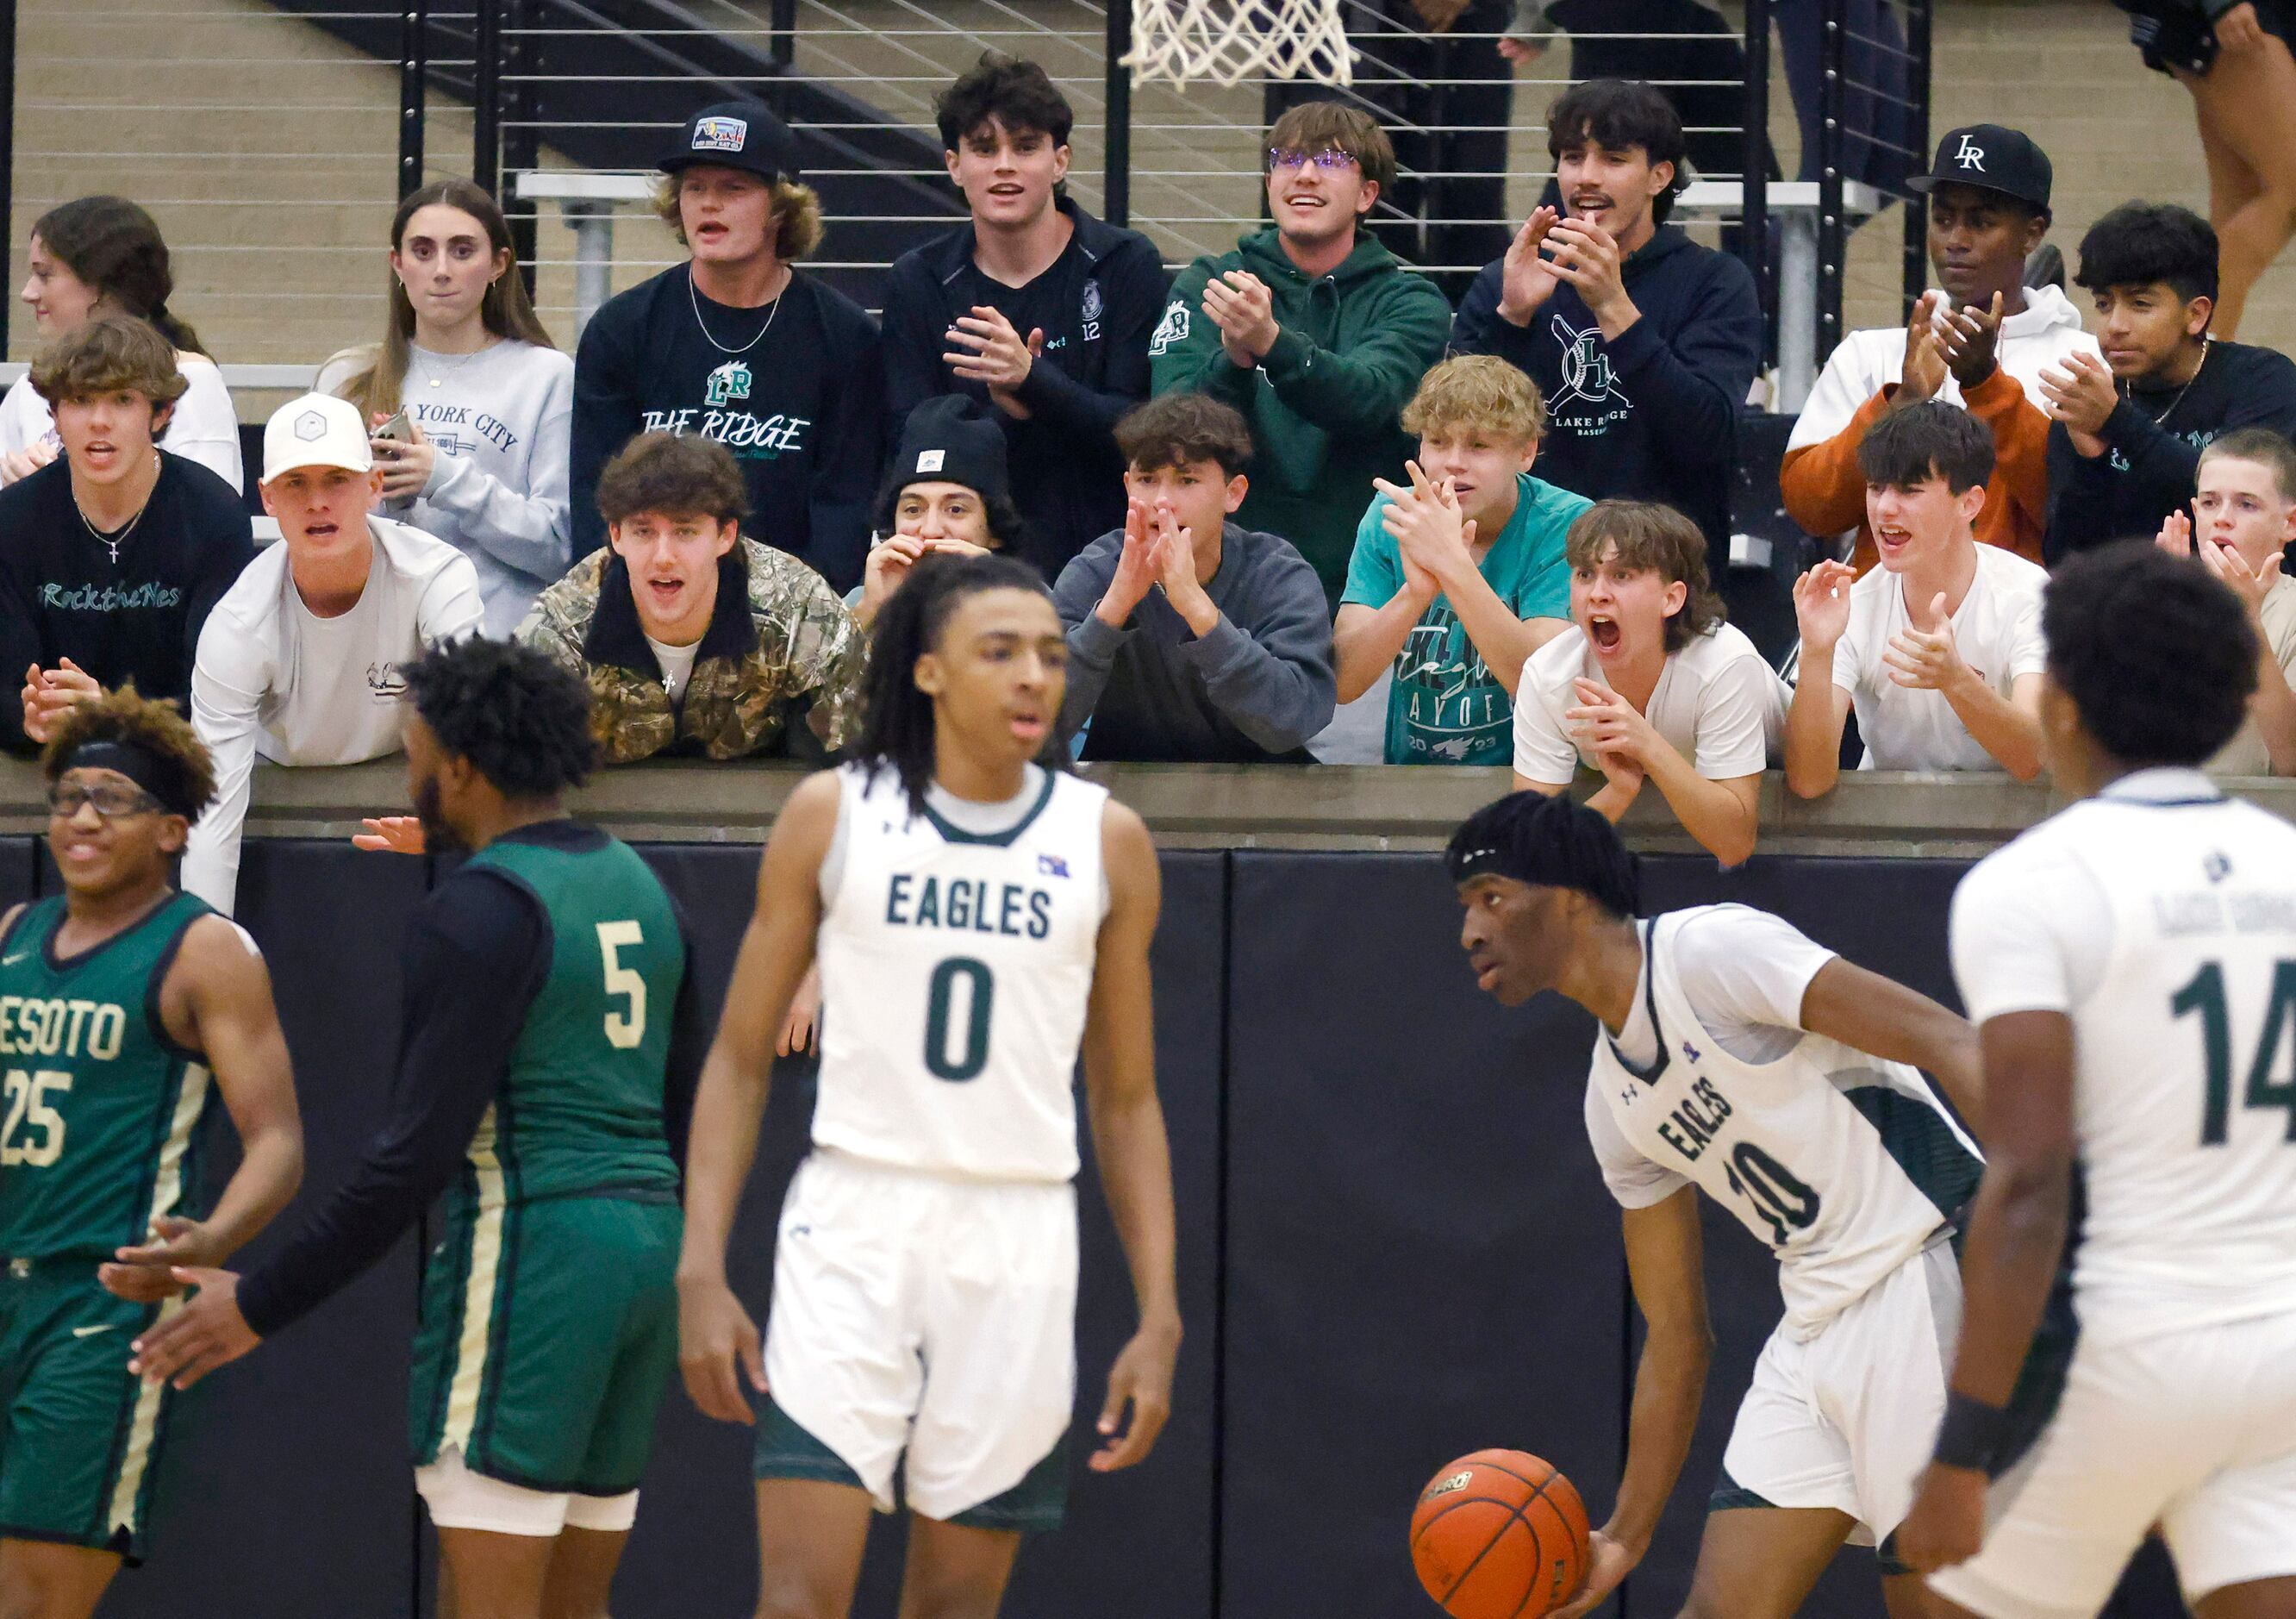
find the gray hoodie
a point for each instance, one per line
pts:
(1253, 690)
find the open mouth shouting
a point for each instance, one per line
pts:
(1891, 541)
(1603, 632)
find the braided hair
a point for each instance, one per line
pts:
(1550, 842)
(896, 726)
(2158, 658)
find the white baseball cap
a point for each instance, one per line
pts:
(315, 430)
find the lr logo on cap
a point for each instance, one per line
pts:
(720, 135)
(1970, 155)
(310, 425)
(728, 383)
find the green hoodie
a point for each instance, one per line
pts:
(1325, 406)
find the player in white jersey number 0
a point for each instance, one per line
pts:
(2131, 965)
(1737, 1057)
(978, 918)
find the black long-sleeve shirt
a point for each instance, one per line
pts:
(1097, 305)
(2153, 441)
(1654, 414)
(795, 389)
(477, 954)
(138, 618)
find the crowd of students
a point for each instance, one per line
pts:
(1291, 506)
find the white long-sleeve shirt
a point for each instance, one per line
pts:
(274, 678)
(205, 427)
(501, 420)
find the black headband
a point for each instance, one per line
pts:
(156, 773)
(1488, 860)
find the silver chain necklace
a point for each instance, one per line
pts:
(694, 297)
(2130, 393)
(113, 542)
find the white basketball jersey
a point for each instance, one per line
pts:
(955, 971)
(1845, 1164)
(2180, 928)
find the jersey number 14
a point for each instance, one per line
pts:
(2205, 995)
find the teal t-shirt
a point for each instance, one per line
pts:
(1446, 708)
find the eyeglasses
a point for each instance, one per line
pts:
(110, 800)
(1331, 159)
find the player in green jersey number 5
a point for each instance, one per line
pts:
(979, 917)
(548, 1010)
(124, 1008)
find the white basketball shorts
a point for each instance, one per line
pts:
(1848, 1418)
(2193, 1430)
(923, 1318)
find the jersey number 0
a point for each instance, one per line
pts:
(981, 1000)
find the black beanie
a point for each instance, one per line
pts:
(949, 439)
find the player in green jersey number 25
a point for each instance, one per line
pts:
(124, 1008)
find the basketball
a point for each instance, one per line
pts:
(1499, 1534)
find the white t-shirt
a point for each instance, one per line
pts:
(274, 678)
(2160, 917)
(1716, 703)
(2245, 754)
(1997, 631)
(2036, 338)
(676, 664)
(205, 427)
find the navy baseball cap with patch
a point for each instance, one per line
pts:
(1994, 157)
(735, 135)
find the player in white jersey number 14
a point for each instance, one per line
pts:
(978, 919)
(1738, 1057)
(2131, 966)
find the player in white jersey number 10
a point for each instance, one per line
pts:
(978, 919)
(1738, 1057)
(2131, 966)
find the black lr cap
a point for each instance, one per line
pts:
(1990, 155)
(735, 135)
(950, 438)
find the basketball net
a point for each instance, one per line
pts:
(1227, 41)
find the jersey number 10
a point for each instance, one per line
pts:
(2206, 996)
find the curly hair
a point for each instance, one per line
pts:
(896, 726)
(1657, 537)
(2158, 658)
(522, 720)
(661, 472)
(1017, 93)
(1179, 429)
(1476, 393)
(109, 354)
(150, 724)
(1549, 843)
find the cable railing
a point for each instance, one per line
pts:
(561, 106)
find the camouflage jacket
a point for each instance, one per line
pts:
(783, 677)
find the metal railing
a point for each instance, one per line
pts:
(535, 91)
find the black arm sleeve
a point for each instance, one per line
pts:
(690, 1034)
(475, 957)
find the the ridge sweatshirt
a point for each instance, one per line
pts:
(1325, 406)
(1825, 493)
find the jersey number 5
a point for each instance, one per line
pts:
(624, 1030)
(2206, 996)
(28, 1107)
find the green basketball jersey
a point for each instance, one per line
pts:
(581, 1110)
(100, 1135)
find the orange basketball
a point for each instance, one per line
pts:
(1499, 1534)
